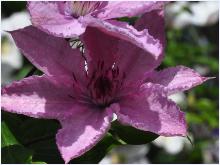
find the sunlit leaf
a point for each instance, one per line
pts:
(7, 138)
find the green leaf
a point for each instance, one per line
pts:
(13, 121)
(6, 135)
(35, 130)
(131, 135)
(12, 151)
(39, 135)
(46, 151)
(97, 153)
(16, 154)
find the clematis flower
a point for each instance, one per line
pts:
(70, 19)
(120, 78)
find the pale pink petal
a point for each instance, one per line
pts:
(50, 54)
(119, 9)
(128, 33)
(37, 96)
(135, 62)
(82, 131)
(150, 110)
(176, 79)
(48, 17)
(155, 26)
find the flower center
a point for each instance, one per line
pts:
(82, 8)
(102, 86)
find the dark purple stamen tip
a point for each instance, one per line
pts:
(74, 77)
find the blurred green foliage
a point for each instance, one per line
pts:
(184, 48)
(9, 7)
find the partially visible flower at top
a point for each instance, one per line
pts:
(69, 19)
(120, 78)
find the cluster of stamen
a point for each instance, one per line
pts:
(84, 8)
(75, 43)
(102, 86)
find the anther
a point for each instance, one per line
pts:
(92, 78)
(117, 70)
(74, 77)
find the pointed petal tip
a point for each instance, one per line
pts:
(7, 31)
(151, 111)
(17, 30)
(207, 78)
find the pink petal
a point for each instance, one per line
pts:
(128, 33)
(50, 54)
(127, 9)
(48, 17)
(82, 131)
(155, 26)
(37, 96)
(150, 110)
(99, 47)
(176, 79)
(134, 62)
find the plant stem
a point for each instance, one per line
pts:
(31, 72)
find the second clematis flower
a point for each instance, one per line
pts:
(119, 78)
(70, 19)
